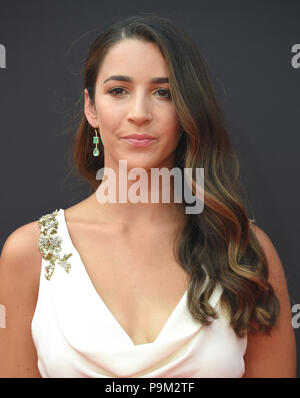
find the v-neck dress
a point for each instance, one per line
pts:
(77, 336)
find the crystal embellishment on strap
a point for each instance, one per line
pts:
(50, 242)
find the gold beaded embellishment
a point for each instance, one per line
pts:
(50, 244)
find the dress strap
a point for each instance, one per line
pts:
(50, 244)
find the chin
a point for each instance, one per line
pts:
(146, 165)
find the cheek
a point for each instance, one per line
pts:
(108, 119)
(172, 129)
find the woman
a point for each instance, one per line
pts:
(147, 289)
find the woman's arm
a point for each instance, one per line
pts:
(20, 264)
(274, 355)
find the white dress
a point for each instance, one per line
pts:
(76, 335)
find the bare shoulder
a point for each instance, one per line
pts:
(20, 251)
(275, 267)
(20, 266)
(273, 355)
(260, 234)
(276, 272)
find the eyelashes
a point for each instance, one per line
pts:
(114, 90)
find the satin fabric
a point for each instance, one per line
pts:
(76, 335)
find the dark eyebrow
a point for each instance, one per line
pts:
(129, 79)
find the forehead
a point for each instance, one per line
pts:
(134, 57)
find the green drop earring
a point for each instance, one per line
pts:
(96, 142)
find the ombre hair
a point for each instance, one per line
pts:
(217, 245)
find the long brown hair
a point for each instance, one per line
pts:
(217, 245)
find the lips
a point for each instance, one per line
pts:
(139, 140)
(139, 137)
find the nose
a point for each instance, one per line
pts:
(139, 110)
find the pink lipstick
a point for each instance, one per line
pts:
(139, 140)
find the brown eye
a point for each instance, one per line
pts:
(113, 91)
(164, 91)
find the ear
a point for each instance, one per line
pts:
(89, 109)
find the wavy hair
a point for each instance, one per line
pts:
(217, 245)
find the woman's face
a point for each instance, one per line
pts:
(138, 106)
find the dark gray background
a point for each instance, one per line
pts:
(247, 46)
